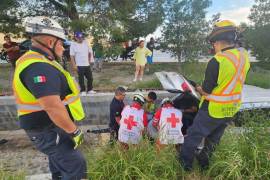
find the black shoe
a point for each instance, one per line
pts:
(3, 141)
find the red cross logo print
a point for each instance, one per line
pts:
(130, 122)
(173, 120)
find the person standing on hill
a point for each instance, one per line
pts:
(221, 95)
(150, 45)
(140, 60)
(12, 49)
(81, 56)
(98, 56)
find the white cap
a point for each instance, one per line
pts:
(166, 100)
(140, 97)
(44, 25)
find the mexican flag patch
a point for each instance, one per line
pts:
(39, 79)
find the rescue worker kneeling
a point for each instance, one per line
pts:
(132, 123)
(168, 121)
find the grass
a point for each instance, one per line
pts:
(115, 74)
(154, 83)
(242, 155)
(258, 78)
(5, 175)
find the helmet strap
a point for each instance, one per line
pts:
(52, 50)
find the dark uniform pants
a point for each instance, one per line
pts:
(85, 71)
(64, 162)
(206, 127)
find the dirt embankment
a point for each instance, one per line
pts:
(18, 154)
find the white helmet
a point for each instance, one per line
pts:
(165, 100)
(138, 97)
(44, 25)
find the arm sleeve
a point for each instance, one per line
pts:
(72, 50)
(211, 76)
(41, 80)
(148, 52)
(156, 117)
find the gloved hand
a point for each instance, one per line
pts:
(77, 137)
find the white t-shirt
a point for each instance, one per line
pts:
(81, 52)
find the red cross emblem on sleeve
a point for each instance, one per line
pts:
(130, 122)
(173, 120)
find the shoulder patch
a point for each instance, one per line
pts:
(39, 79)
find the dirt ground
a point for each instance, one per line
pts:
(111, 76)
(18, 154)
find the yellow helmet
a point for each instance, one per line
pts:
(223, 31)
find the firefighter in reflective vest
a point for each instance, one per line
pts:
(133, 122)
(221, 94)
(48, 100)
(168, 121)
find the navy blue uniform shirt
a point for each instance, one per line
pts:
(42, 79)
(116, 108)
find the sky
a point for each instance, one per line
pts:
(234, 10)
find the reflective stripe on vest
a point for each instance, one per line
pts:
(27, 103)
(226, 95)
(37, 107)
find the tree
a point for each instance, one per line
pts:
(138, 18)
(120, 20)
(257, 36)
(260, 13)
(9, 16)
(185, 28)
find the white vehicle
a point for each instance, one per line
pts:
(253, 98)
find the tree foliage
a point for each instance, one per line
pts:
(9, 16)
(185, 28)
(116, 19)
(260, 13)
(138, 17)
(258, 37)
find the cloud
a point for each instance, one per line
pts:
(236, 15)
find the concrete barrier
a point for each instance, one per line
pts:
(96, 109)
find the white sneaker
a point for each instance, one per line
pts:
(140, 79)
(134, 80)
(91, 92)
(83, 93)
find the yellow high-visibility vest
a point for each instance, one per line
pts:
(225, 99)
(27, 103)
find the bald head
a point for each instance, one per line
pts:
(53, 46)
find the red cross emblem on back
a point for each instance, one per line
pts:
(173, 120)
(130, 122)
